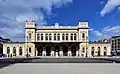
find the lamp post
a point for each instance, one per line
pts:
(86, 46)
(27, 46)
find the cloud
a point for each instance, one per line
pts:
(13, 14)
(110, 6)
(106, 32)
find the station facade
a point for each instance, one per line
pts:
(56, 41)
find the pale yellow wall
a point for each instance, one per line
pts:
(11, 45)
(85, 45)
(101, 45)
(30, 28)
(32, 46)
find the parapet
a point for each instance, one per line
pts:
(83, 25)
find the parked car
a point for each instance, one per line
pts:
(3, 55)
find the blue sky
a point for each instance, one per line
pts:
(103, 16)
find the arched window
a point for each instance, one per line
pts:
(20, 51)
(46, 36)
(14, 50)
(105, 51)
(30, 49)
(75, 37)
(63, 36)
(8, 50)
(92, 51)
(38, 37)
(50, 36)
(58, 37)
(66, 36)
(41, 36)
(98, 51)
(83, 50)
(83, 35)
(54, 36)
(71, 37)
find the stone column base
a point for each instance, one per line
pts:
(69, 53)
(52, 53)
(44, 53)
(61, 53)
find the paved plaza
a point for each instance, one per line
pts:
(61, 68)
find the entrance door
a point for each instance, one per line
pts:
(56, 50)
(65, 51)
(48, 50)
(40, 50)
(73, 50)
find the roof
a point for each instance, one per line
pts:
(99, 43)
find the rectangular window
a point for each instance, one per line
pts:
(58, 37)
(66, 36)
(63, 38)
(54, 37)
(29, 36)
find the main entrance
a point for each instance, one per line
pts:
(57, 49)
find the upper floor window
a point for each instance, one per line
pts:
(41, 36)
(83, 35)
(66, 36)
(71, 37)
(50, 36)
(8, 50)
(38, 37)
(29, 36)
(58, 37)
(46, 36)
(54, 36)
(63, 36)
(75, 37)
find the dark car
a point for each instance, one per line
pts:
(3, 55)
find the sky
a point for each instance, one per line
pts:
(103, 16)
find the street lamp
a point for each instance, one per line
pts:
(86, 45)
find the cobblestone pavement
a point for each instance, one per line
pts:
(62, 68)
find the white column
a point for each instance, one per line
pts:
(52, 53)
(61, 53)
(69, 53)
(44, 53)
(76, 53)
